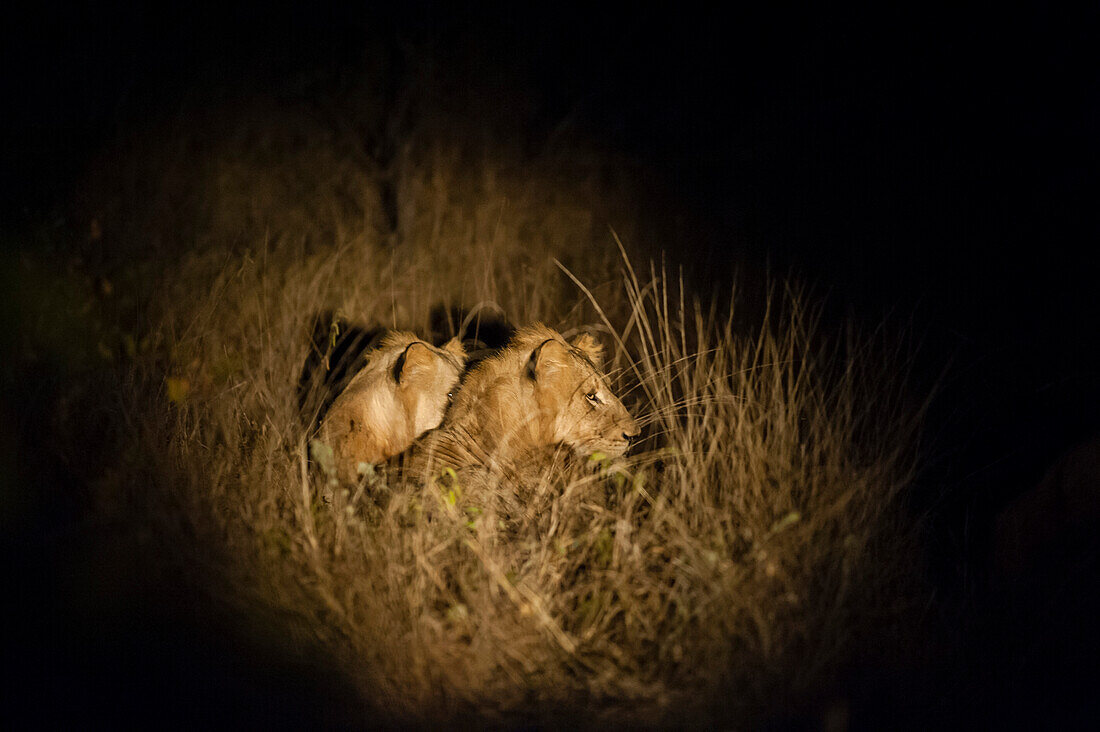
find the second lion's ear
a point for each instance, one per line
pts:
(455, 347)
(416, 359)
(548, 357)
(590, 347)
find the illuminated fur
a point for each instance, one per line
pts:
(539, 392)
(399, 395)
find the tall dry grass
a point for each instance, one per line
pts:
(728, 570)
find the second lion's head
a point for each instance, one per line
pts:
(543, 390)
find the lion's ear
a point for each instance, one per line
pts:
(548, 357)
(454, 346)
(414, 361)
(590, 347)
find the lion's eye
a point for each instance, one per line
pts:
(591, 396)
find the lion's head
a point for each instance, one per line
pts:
(542, 391)
(400, 394)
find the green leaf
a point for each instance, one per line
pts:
(603, 546)
(448, 478)
(322, 455)
(787, 521)
(178, 388)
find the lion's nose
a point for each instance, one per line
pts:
(631, 432)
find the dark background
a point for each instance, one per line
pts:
(937, 165)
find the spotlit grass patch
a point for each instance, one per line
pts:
(725, 571)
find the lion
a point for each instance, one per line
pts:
(539, 392)
(401, 393)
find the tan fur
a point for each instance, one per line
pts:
(539, 392)
(399, 395)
